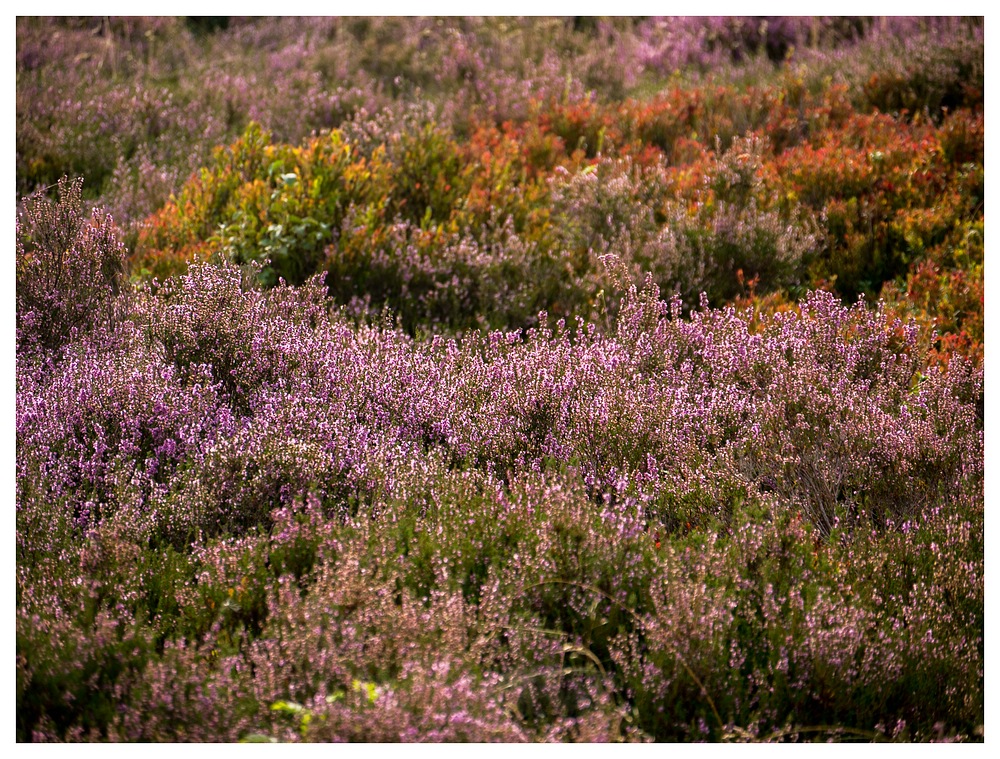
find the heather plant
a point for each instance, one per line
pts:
(885, 197)
(471, 387)
(667, 44)
(67, 672)
(533, 488)
(706, 652)
(734, 225)
(69, 270)
(931, 70)
(489, 278)
(925, 64)
(740, 211)
(127, 424)
(881, 224)
(150, 120)
(125, 101)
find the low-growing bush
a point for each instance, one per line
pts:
(536, 495)
(400, 216)
(507, 392)
(70, 270)
(733, 225)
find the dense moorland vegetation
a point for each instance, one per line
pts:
(499, 379)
